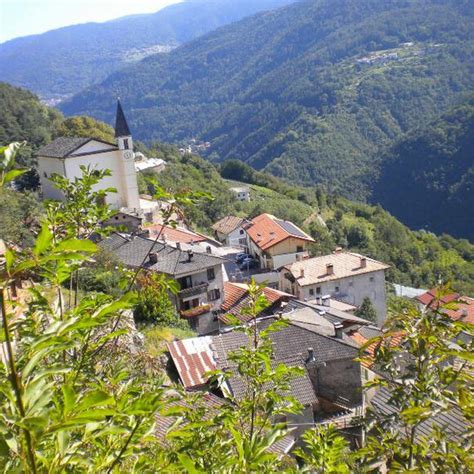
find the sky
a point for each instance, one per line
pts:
(27, 17)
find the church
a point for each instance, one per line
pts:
(65, 156)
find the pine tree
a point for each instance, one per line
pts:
(366, 310)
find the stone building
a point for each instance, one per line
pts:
(345, 276)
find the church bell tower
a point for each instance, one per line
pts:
(131, 197)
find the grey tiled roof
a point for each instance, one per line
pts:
(451, 422)
(333, 315)
(131, 251)
(63, 147)
(290, 346)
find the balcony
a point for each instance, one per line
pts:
(194, 290)
(196, 311)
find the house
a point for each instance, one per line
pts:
(200, 275)
(237, 297)
(230, 230)
(329, 387)
(461, 308)
(241, 193)
(275, 242)
(128, 219)
(66, 155)
(346, 276)
(142, 163)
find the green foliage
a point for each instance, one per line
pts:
(154, 305)
(425, 376)
(325, 451)
(427, 178)
(19, 216)
(366, 310)
(85, 127)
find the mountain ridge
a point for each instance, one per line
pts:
(65, 60)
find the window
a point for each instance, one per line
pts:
(299, 248)
(214, 295)
(371, 279)
(215, 316)
(351, 283)
(211, 274)
(336, 289)
(241, 231)
(311, 291)
(45, 174)
(125, 143)
(185, 282)
(318, 290)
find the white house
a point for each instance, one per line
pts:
(241, 193)
(230, 230)
(346, 276)
(65, 156)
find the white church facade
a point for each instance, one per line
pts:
(65, 156)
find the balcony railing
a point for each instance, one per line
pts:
(194, 290)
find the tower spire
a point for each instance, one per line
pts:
(121, 125)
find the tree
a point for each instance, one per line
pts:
(154, 304)
(325, 451)
(366, 310)
(427, 375)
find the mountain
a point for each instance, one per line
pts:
(427, 178)
(312, 92)
(64, 61)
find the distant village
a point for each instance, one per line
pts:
(319, 296)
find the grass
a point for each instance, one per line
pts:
(156, 337)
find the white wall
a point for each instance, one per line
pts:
(286, 258)
(46, 167)
(352, 290)
(109, 160)
(233, 239)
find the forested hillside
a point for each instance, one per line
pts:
(64, 61)
(312, 92)
(427, 179)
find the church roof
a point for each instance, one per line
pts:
(63, 147)
(121, 125)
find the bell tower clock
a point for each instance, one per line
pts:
(131, 197)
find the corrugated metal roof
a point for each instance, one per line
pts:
(193, 358)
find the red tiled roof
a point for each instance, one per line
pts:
(266, 231)
(461, 307)
(179, 234)
(193, 358)
(236, 297)
(360, 340)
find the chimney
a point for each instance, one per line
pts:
(338, 250)
(178, 245)
(190, 255)
(338, 330)
(363, 262)
(301, 272)
(153, 257)
(310, 357)
(326, 299)
(318, 300)
(209, 249)
(330, 269)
